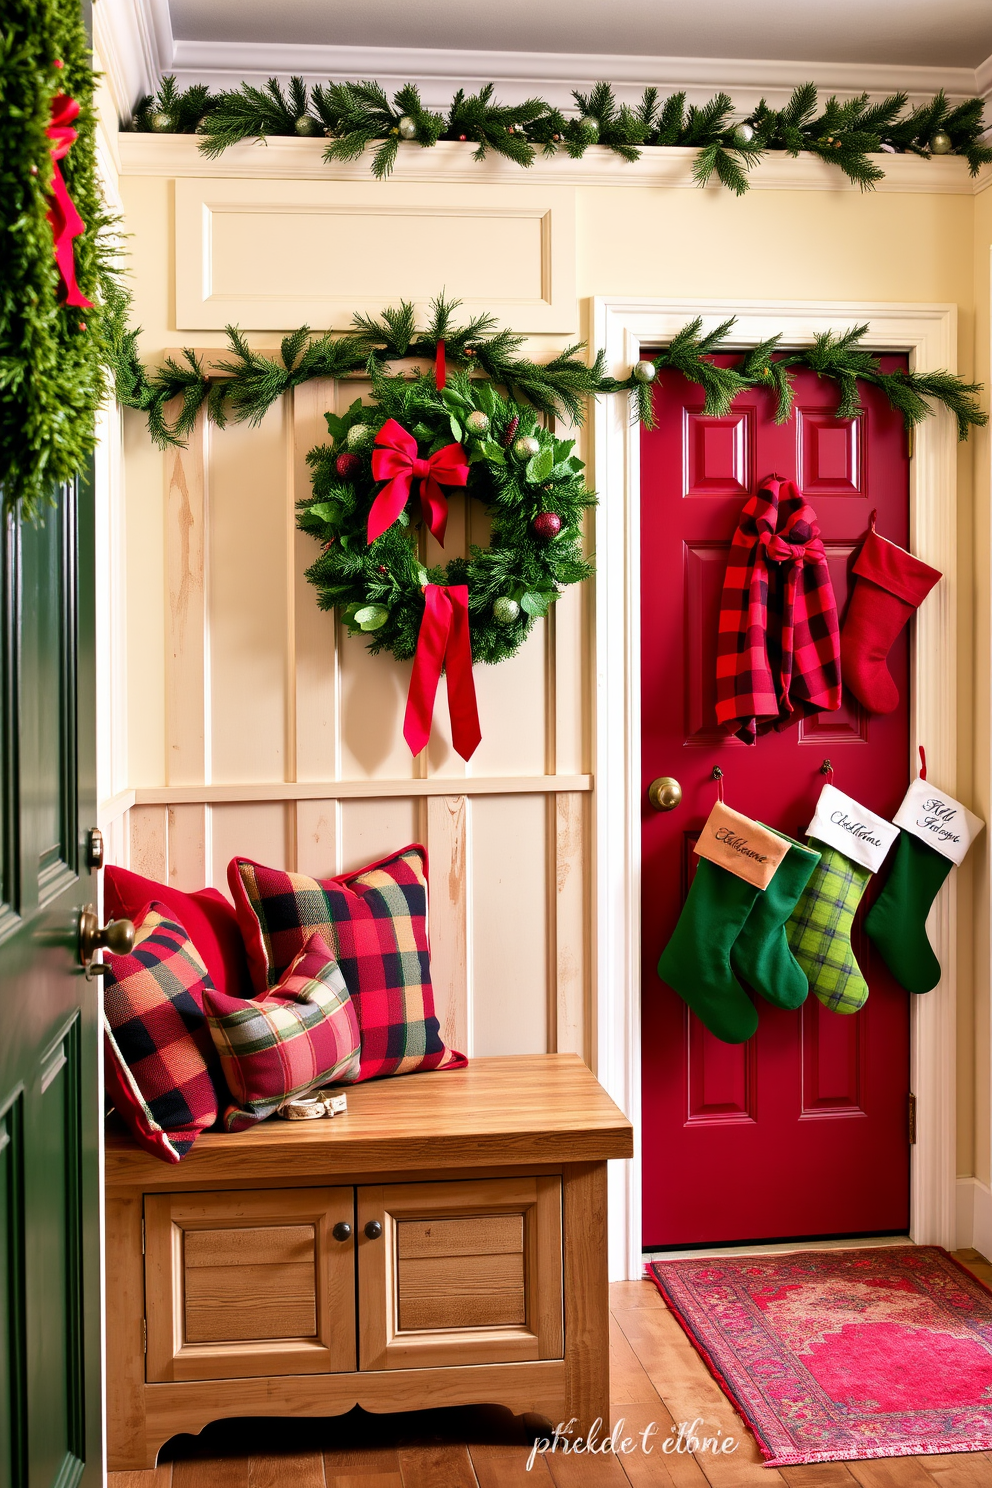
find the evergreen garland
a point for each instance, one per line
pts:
(247, 383)
(51, 355)
(358, 116)
(517, 469)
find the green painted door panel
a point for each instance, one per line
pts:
(50, 1430)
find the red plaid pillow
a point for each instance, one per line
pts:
(375, 922)
(303, 1034)
(160, 1069)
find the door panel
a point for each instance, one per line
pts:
(803, 1130)
(460, 1272)
(250, 1283)
(50, 1430)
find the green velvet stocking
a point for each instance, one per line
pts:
(761, 955)
(696, 961)
(897, 921)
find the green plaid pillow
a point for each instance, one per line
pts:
(304, 1033)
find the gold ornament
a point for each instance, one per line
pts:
(941, 144)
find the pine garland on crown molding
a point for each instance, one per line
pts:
(358, 116)
(245, 386)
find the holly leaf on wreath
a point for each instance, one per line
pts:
(458, 433)
(540, 466)
(492, 452)
(537, 604)
(485, 398)
(453, 401)
(326, 511)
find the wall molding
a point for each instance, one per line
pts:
(621, 326)
(358, 790)
(133, 39)
(439, 71)
(974, 1215)
(451, 161)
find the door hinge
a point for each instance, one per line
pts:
(912, 1120)
(144, 1336)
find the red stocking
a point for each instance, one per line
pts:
(891, 584)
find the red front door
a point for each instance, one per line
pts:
(803, 1130)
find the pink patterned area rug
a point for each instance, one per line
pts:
(842, 1355)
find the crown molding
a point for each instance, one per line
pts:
(134, 46)
(437, 72)
(173, 155)
(983, 78)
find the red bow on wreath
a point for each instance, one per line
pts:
(62, 214)
(397, 462)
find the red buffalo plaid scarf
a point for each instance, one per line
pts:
(778, 648)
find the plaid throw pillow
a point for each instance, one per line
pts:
(303, 1034)
(161, 1070)
(375, 922)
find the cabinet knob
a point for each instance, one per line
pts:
(341, 1231)
(373, 1229)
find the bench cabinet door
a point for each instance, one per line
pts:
(460, 1273)
(249, 1283)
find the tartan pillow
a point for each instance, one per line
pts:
(304, 1033)
(375, 922)
(160, 1070)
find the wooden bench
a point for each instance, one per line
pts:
(443, 1243)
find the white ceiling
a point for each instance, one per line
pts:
(929, 33)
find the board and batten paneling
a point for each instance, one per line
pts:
(284, 743)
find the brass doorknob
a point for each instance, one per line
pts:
(665, 793)
(116, 937)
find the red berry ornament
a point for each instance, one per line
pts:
(547, 524)
(347, 465)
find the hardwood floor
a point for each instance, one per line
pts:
(657, 1377)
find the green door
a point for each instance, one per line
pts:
(50, 1429)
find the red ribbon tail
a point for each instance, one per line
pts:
(434, 505)
(387, 505)
(463, 708)
(66, 225)
(444, 639)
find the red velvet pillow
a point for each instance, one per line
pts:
(207, 917)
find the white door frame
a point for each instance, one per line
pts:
(621, 326)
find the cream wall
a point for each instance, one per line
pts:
(242, 683)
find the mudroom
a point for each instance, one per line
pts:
(495, 639)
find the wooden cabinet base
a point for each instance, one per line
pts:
(477, 1255)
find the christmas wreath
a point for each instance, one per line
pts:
(423, 436)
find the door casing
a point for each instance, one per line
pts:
(621, 326)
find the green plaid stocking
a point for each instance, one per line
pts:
(819, 930)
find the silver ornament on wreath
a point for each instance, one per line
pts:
(407, 127)
(941, 143)
(644, 371)
(477, 423)
(358, 436)
(526, 447)
(506, 611)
